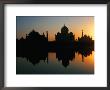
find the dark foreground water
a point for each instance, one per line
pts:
(54, 64)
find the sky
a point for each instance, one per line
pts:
(53, 24)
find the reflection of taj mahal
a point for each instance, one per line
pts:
(65, 35)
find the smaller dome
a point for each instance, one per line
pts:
(71, 33)
(58, 33)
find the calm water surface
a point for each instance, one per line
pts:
(54, 64)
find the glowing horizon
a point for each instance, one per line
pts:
(53, 24)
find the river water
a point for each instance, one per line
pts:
(76, 63)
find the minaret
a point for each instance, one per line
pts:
(82, 33)
(47, 34)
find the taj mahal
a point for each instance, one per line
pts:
(65, 35)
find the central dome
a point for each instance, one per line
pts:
(64, 29)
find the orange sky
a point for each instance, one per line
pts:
(53, 24)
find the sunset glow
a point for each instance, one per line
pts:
(53, 24)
